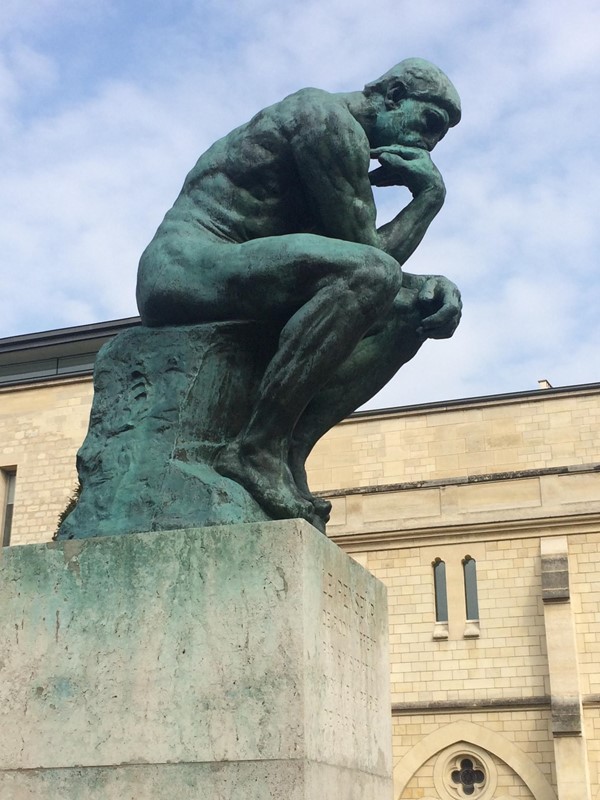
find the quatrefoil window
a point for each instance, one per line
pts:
(464, 771)
(467, 776)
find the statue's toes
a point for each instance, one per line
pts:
(322, 507)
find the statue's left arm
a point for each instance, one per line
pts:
(436, 295)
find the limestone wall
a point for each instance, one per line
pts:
(41, 429)
(506, 659)
(490, 479)
(42, 426)
(501, 689)
(540, 431)
(585, 585)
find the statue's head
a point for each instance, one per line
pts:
(420, 80)
(412, 92)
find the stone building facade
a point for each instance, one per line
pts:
(482, 517)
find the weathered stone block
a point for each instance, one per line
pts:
(165, 401)
(555, 577)
(243, 661)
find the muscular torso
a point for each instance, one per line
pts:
(281, 173)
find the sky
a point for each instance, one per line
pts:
(106, 105)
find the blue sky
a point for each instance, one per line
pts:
(105, 106)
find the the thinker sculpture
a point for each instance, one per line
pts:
(276, 224)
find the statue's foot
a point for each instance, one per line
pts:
(320, 504)
(267, 480)
(318, 522)
(321, 509)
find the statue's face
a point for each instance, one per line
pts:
(413, 123)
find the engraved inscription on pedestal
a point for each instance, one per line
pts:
(353, 661)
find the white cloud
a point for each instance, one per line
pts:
(103, 110)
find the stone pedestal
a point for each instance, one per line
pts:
(245, 662)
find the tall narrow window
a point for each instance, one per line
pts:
(439, 585)
(10, 479)
(470, 576)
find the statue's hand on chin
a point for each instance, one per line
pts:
(406, 166)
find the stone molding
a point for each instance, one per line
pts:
(475, 735)
(392, 538)
(482, 705)
(461, 480)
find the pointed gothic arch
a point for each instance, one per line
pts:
(473, 734)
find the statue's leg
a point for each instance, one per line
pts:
(327, 294)
(315, 340)
(374, 361)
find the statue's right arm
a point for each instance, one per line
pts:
(332, 157)
(413, 168)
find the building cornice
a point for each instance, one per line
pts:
(475, 704)
(57, 355)
(64, 336)
(507, 398)
(496, 530)
(461, 480)
(483, 704)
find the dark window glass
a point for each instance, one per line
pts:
(80, 363)
(47, 368)
(10, 479)
(27, 370)
(467, 776)
(470, 576)
(441, 597)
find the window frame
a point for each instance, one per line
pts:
(9, 480)
(470, 588)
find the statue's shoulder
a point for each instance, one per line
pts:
(304, 107)
(308, 109)
(311, 100)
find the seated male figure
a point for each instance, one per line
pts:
(276, 222)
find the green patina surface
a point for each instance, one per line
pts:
(165, 402)
(275, 228)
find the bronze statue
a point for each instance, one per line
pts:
(276, 221)
(274, 231)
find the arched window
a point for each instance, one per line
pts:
(439, 585)
(470, 576)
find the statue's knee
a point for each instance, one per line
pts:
(378, 279)
(391, 277)
(152, 292)
(144, 296)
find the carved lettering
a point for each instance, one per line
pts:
(349, 652)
